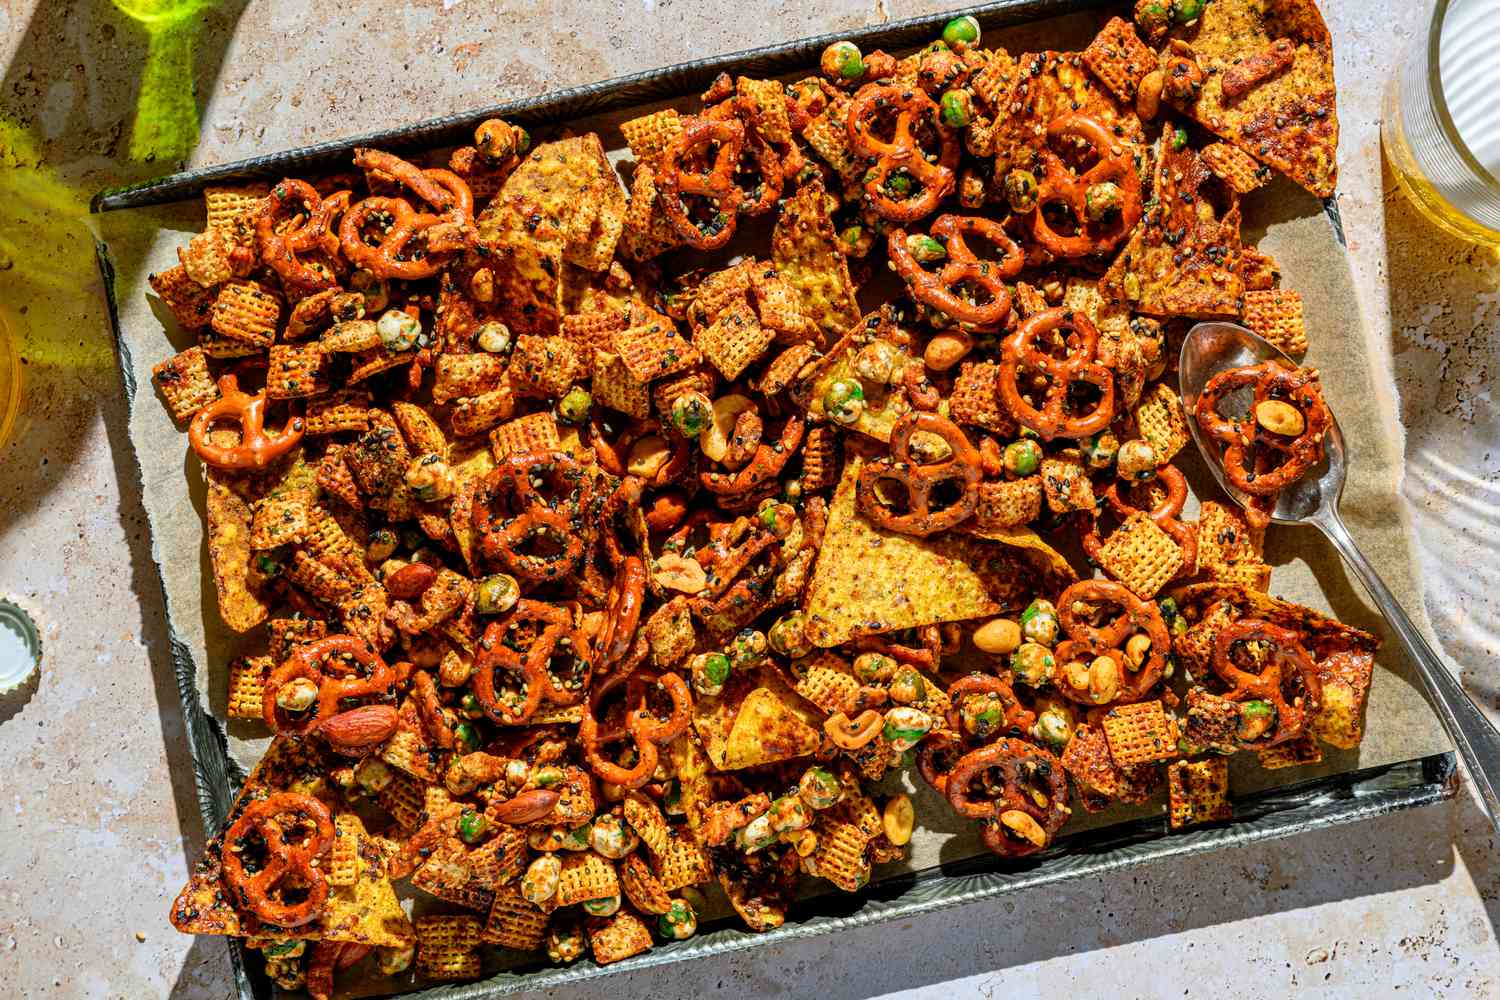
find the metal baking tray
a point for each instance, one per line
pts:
(1280, 812)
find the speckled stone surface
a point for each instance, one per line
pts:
(97, 817)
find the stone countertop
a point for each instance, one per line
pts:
(98, 822)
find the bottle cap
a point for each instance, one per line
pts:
(20, 647)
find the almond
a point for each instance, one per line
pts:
(359, 728)
(409, 582)
(528, 807)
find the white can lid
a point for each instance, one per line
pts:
(20, 647)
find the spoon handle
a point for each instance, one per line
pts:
(1477, 741)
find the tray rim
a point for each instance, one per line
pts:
(1275, 813)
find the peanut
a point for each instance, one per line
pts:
(1280, 418)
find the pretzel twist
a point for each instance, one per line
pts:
(941, 289)
(903, 151)
(920, 479)
(501, 536)
(257, 448)
(675, 179)
(1249, 449)
(450, 229)
(342, 666)
(530, 663)
(281, 236)
(1023, 769)
(1284, 658)
(1059, 185)
(284, 865)
(1086, 640)
(1053, 419)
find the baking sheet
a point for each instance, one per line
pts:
(946, 856)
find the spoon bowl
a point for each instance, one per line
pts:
(1211, 348)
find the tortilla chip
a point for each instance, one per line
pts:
(1184, 258)
(757, 720)
(526, 260)
(239, 583)
(364, 912)
(571, 184)
(868, 580)
(804, 250)
(1289, 121)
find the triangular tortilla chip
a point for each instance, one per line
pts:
(1045, 558)
(1184, 257)
(1288, 120)
(757, 720)
(365, 912)
(868, 580)
(803, 245)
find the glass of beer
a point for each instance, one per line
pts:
(1441, 128)
(10, 376)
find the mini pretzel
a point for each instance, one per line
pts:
(257, 448)
(1017, 716)
(764, 466)
(279, 247)
(530, 663)
(1086, 640)
(1059, 186)
(623, 614)
(1283, 656)
(442, 189)
(502, 536)
(1025, 770)
(941, 289)
(928, 656)
(674, 180)
(762, 156)
(936, 756)
(851, 734)
(902, 151)
(1248, 447)
(640, 725)
(342, 666)
(921, 480)
(1167, 515)
(284, 866)
(1020, 350)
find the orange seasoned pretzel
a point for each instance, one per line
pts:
(758, 155)
(1060, 186)
(1021, 350)
(295, 219)
(287, 889)
(528, 656)
(1282, 658)
(1167, 514)
(1029, 780)
(936, 642)
(623, 614)
(448, 231)
(962, 271)
(1086, 640)
(257, 448)
(530, 514)
(922, 480)
(1248, 447)
(342, 667)
(903, 151)
(640, 724)
(765, 463)
(718, 183)
(936, 756)
(1017, 716)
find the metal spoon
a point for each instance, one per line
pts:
(1211, 348)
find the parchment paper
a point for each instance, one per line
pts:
(1283, 220)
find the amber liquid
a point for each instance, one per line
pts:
(1415, 185)
(10, 377)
